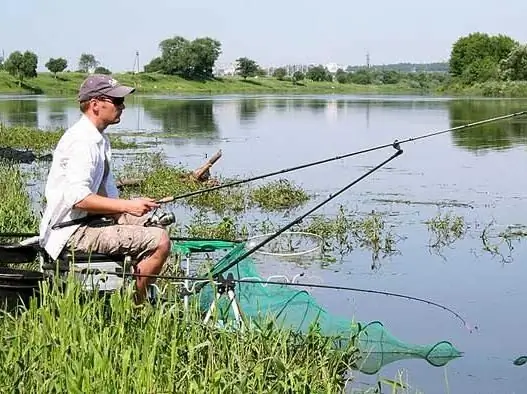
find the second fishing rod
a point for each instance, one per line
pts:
(307, 165)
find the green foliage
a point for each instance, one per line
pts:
(390, 77)
(298, 76)
(445, 230)
(246, 67)
(16, 213)
(87, 62)
(362, 77)
(280, 73)
(188, 59)
(319, 73)
(155, 65)
(22, 66)
(280, 194)
(102, 70)
(475, 58)
(514, 66)
(56, 65)
(78, 342)
(342, 76)
(43, 140)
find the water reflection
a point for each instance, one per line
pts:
(20, 112)
(184, 117)
(495, 136)
(201, 118)
(248, 109)
(57, 114)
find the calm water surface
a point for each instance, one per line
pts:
(481, 171)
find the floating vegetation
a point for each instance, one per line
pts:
(371, 233)
(445, 230)
(202, 226)
(512, 234)
(44, 140)
(280, 194)
(345, 232)
(161, 180)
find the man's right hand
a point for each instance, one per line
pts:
(140, 206)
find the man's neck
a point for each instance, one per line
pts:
(100, 125)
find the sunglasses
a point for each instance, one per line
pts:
(114, 100)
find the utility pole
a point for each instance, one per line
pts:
(136, 62)
(367, 59)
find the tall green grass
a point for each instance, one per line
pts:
(108, 345)
(68, 340)
(16, 214)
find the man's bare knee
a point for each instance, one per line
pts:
(163, 247)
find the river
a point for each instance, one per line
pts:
(476, 173)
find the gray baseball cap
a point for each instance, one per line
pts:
(102, 85)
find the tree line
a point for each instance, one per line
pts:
(478, 57)
(24, 65)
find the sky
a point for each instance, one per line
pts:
(271, 32)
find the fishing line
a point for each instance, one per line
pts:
(168, 199)
(323, 161)
(202, 281)
(309, 212)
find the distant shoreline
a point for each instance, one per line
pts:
(67, 84)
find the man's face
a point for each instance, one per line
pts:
(109, 109)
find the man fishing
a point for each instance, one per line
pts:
(81, 183)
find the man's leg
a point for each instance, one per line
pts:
(151, 265)
(150, 245)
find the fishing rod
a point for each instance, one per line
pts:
(168, 199)
(323, 161)
(398, 152)
(299, 284)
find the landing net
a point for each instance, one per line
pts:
(295, 309)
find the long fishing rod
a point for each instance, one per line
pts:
(299, 284)
(168, 199)
(323, 161)
(398, 152)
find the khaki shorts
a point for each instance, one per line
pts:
(129, 236)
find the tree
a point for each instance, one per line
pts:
(280, 73)
(56, 65)
(102, 70)
(246, 67)
(319, 73)
(341, 76)
(22, 66)
(189, 59)
(155, 65)
(514, 66)
(204, 53)
(362, 77)
(475, 58)
(390, 77)
(87, 62)
(298, 76)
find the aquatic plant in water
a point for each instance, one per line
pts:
(445, 229)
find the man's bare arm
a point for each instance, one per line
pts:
(95, 204)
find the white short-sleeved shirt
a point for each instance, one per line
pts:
(77, 170)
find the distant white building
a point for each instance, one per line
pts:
(333, 67)
(224, 69)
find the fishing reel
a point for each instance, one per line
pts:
(162, 219)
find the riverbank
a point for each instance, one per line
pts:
(67, 84)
